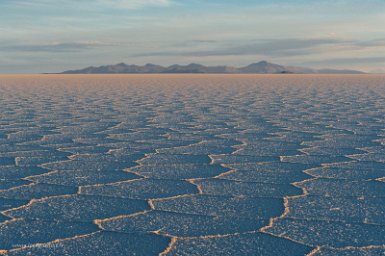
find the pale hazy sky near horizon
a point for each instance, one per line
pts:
(51, 36)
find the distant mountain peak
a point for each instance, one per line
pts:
(151, 65)
(261, 67)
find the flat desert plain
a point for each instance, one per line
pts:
(192, 165)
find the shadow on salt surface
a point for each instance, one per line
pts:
(129, 148)
(169, 159)
(343, 141)
(18, 232)
(4, 161)
(55, 139)
(3, 135)
(351, 252)
(229, 159)
(23, 136)
(221, 187)
(36, 153)
(79, 208)
(90, 141)
(35, 191)
(343, 188)
(269, 166)
(255, 130)
(168, 142)
(293, 137)
(266, 176)
(250, 207)
(179, 171)
(184, 225)
(268, 148)
(6, 203)
(358, 165)
(7, 184)
(350, 210)
(119, 130)
(151, 134)
(245, 244)
(85, 150)
(216, 133)
(352, 171)
(375, 149)
(3, 218)
(80, 127)
(245, 136)
(314, 160)
(6, 148)
(142, 189)
(331, 151)
(329, 233)
(95, 163)
(33, 161)
(370, 157)
(15, 172)
(101, 244)
(82, 178)
(198, 149)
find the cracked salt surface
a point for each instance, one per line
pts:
(192, 165)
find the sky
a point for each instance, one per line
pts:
(39, 36)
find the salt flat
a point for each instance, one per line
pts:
(192, 165)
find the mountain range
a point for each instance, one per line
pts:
(262, 67)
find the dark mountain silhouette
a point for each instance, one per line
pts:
(262, 67)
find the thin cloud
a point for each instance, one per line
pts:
(134, 4)
(274, 47)
(121, 4)
(53, 47)
(353, 60)
(374, 42)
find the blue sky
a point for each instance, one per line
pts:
(51, 36)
